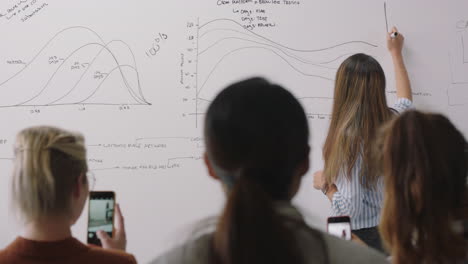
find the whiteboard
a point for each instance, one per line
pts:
(136, 77)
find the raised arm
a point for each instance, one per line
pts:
(395, 46)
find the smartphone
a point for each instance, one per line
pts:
(101, 215)
(339, 226)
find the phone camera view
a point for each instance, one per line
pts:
(101, 217)
(341, 230)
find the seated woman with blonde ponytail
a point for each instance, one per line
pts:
(257, 136)
(50, 188)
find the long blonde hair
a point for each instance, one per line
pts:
(48, 163)
(359, 109)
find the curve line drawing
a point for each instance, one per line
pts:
(318, 64)
(271, 45)
(135, 92)
(45, 46)
(221, 40)
(257, 47)
(284, 46)
(105, 78)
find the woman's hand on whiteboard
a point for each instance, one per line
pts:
(119, 240)
(395, 43)
(319, 180)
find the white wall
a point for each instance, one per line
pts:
(149, 154)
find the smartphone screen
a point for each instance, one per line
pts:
(101, 215)
(340, 226)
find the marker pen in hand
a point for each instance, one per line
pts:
(394, 35)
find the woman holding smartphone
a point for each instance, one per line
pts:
(425, 166)
(256, 137)
(359, 109)
(50, 188)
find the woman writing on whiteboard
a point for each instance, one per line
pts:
(424, 159)
(256, 137)
(50, 188)
(359, 109)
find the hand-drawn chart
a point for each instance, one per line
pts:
(458, 88)
(75, 67)
(225, 46)
(140, 155)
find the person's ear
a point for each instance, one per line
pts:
(78, 188)
(305, 164)
(209, 166)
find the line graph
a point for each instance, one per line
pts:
(224, 46)
(277, 43)
(76, 66)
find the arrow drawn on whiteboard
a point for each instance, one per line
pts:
(153, 138)
(113, 168)
(179, 158)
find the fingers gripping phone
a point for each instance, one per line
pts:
(101, 215)
(339, 226)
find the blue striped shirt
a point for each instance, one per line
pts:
(363, 205)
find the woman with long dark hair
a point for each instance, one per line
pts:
(425, 166)
(257, 137)
(359, 109)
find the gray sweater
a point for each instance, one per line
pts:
(339, 251)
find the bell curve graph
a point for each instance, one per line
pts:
(225, 51)
(75, 67)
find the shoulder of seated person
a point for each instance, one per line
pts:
(111, 256)
(195, 250)
(3, 255)
(339, 250)
(94, 254)
(343, 251)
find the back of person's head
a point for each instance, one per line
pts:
(424, 162)
(257, 144)
(359, 109)
(49, 163)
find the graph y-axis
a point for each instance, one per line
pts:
(196, 73)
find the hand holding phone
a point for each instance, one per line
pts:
(101, 215)
(339, 226)
(119, 240)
